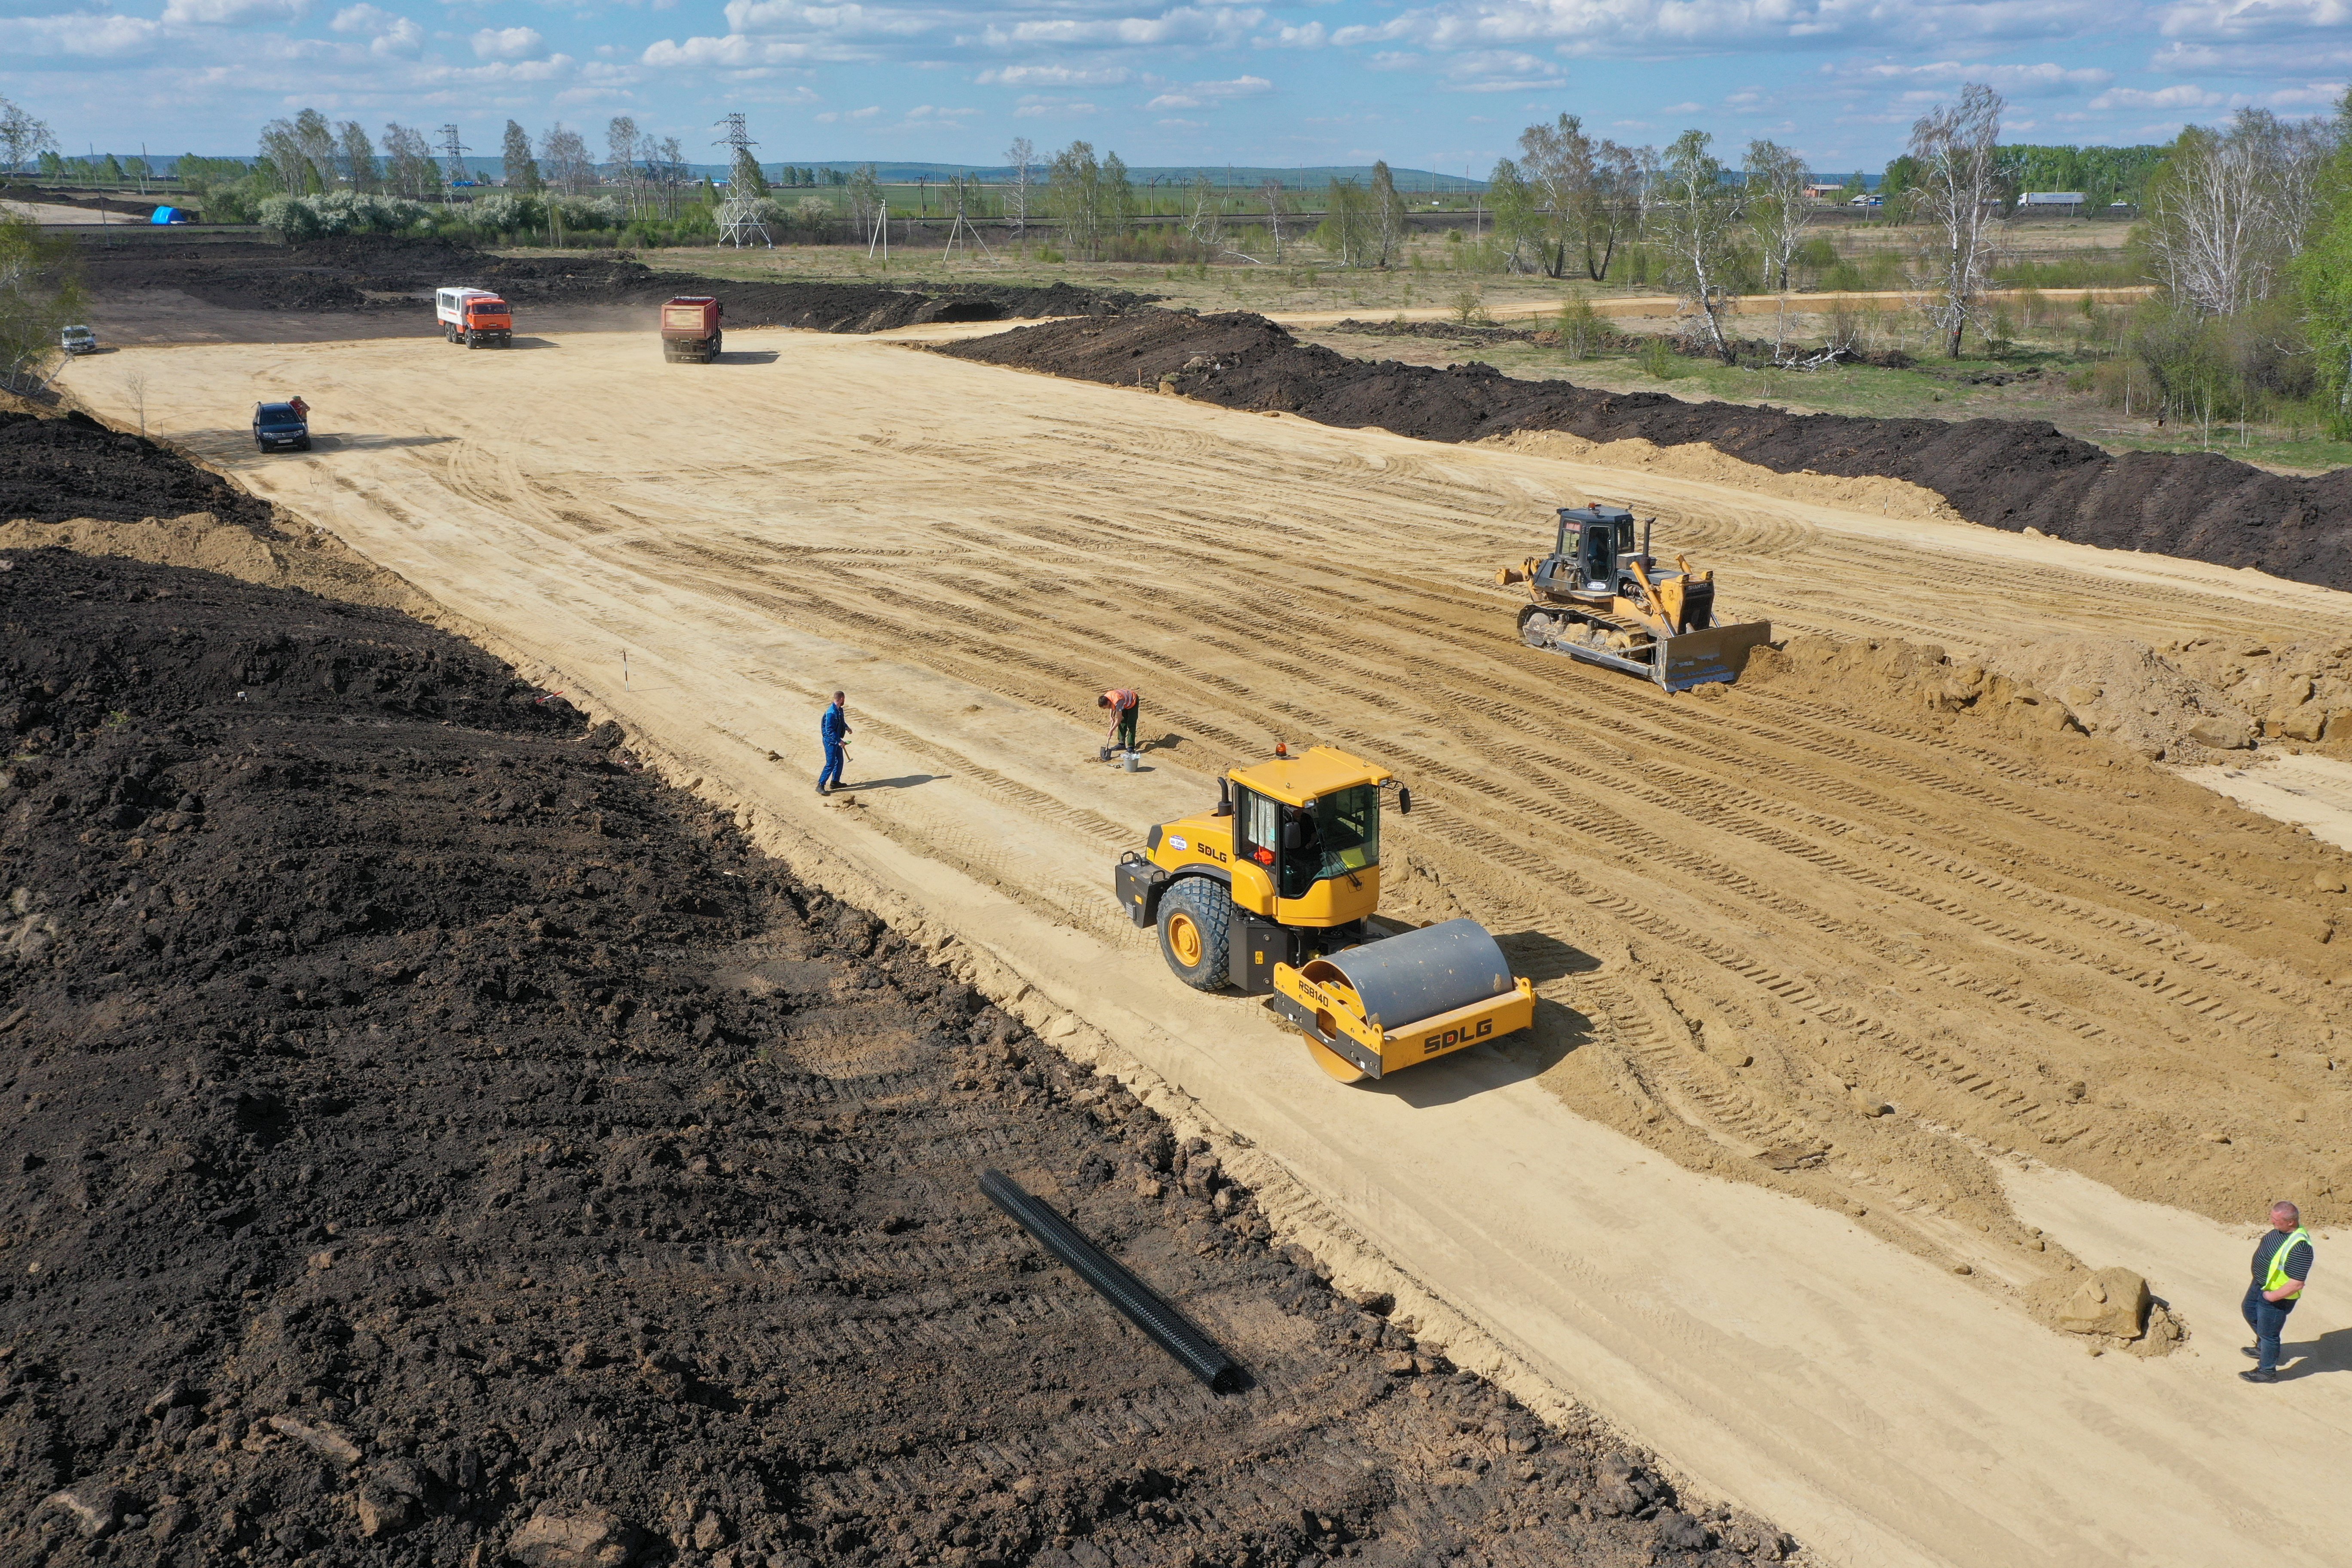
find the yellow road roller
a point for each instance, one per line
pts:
(1273, 891)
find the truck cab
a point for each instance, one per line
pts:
(474, 316)
(1284, 866)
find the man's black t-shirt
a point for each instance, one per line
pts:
(2298, 1262)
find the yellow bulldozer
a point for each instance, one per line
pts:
(1273, 891)
(1600, 597)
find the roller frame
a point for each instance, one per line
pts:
(1370, 1044)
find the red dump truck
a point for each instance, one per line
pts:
(474, 316)
(689, 329)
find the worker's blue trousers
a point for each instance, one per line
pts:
(833, 762)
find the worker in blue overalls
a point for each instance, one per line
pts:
(835, 728)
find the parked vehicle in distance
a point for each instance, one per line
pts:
(474, 316)
(1867, 202)
(77, 340)
(276, 424)
(689, 329)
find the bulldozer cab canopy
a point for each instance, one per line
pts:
(1602, 535)
(1298, 781)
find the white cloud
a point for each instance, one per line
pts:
(847, 20)
(76, 36)
(1201, 94)
(1310, 37)
(1035, 107)
(2015, 81)
(2254, 18)
(1181, 24)
(837, 117)
(231, 12)
(2181, 95)
(1055, 76)
(1654, 27)
(506, 43)
(390, 36)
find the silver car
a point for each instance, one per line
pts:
(77, 340)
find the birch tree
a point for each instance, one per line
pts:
(1777, 207)
(409, 166)
(1277, 201)
(1023, 156)
(1117, 195)
(1555, 163)
(520, 169)
(621, 155)
(22, 137)
(1074, 197)
(2229, 209)
(865, 201)
(359, 156)
(1957, 196)
(1207, 224)
(1387, 216)
(1696, 215)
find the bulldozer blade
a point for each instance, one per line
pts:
(1718, 653)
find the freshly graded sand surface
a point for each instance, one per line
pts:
(1755, 915)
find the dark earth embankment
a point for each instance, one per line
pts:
(2005, 473)
(52, 470)
(426, 1139)
(353, 272)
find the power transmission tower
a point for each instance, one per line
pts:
(455, 152)
(739, 214)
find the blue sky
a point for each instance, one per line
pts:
(1445, 85)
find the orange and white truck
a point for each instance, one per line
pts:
(474, 316)
(689, 329)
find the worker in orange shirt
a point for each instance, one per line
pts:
(1125, 707)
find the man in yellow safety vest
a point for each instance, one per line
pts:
(2282, 1265)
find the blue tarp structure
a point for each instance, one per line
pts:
(173, 214)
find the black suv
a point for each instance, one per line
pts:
(276, 424)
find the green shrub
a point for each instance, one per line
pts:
(1657, 359)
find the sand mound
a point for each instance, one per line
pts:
(2127, 692)
(1861, 675)
(2297, 691)
(2120, 691)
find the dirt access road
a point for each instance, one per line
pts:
(1750, 914)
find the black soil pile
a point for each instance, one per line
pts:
(355, 272)
(427, 1139)
(2006, 473)
(53, 469)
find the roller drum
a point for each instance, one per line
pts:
(1421, 974)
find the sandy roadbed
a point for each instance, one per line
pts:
(1748, 914)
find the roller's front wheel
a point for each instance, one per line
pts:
(1196, 918)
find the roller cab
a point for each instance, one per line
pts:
(1272, 892)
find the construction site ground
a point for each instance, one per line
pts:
(1865, 1027)
(433, 1140)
